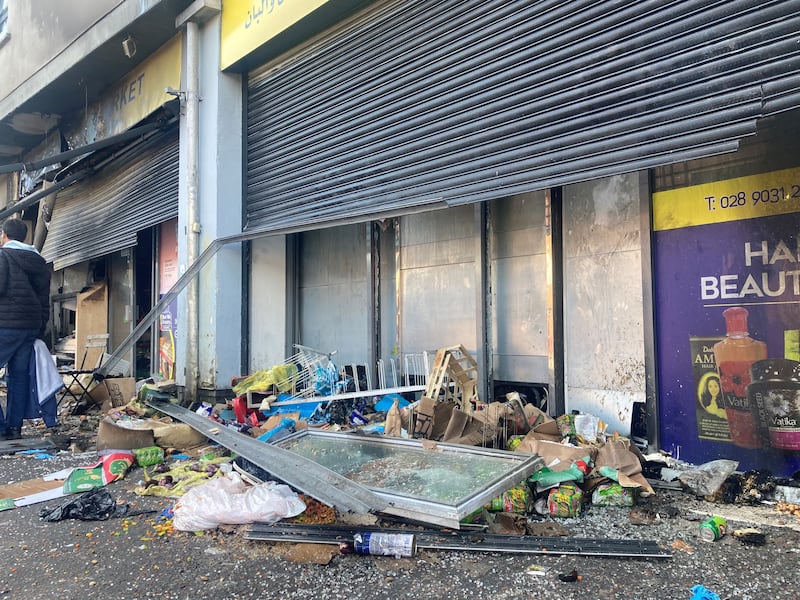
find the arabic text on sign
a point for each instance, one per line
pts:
(254, 15)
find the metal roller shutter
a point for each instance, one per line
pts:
(455, 101)
(103, 214)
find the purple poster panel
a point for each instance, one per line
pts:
(168, 275)
(727, 300)
(167, 333)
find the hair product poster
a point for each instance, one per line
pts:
(727, 301)
(712, 420)
(168, 275)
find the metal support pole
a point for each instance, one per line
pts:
(555, 301)
(648, 300)
(485, 374)
(373, 294)
(192, 116)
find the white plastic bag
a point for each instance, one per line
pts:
(228, 500)
(587, 427)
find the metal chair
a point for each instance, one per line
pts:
(77, 385)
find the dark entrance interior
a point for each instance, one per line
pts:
(143, 286)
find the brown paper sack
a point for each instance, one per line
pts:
(617, 454)
(177, 435)
(393, 426)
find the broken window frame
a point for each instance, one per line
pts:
(521, 466)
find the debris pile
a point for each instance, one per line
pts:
(312, 447)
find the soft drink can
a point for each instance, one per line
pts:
(713, 528)
(385, 544)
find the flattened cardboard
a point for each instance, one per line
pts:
(26, 488)
(456, 425)
(441, 418)
(91, 317)
(111, 436)
(423, 425)
(32, 491)
(548, 428)
(556, 456)
(275, 421)
(619, 455)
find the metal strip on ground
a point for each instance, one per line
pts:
(26, 443)
(461, 540)
(298, 472)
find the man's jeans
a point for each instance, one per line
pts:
(16, 346)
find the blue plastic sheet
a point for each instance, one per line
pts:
(700, 592)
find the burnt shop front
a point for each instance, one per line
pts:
(479, 173)
(112, 235)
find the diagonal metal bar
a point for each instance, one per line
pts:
(462, 540)
(298, 472)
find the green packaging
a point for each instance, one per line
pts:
(151, 455)
(565, 501)
(514, 500)
(613, 494)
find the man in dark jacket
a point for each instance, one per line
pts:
(24, 312)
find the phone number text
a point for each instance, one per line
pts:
(772, 195)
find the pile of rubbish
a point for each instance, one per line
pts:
(579, 464)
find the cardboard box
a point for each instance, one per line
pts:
(150, 432)
(112, 436)
(91, 318)
(114, 392)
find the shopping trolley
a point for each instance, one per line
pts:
(314, 374)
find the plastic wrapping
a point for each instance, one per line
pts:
(229, 501)
(706, 479)
(94, 505)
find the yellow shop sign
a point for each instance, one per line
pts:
(247, 24)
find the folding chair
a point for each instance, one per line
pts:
(77, 377)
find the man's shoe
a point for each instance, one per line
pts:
(12, 433)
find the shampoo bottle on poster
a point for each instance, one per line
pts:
(733, 356)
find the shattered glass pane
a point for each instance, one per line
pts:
(439, 475)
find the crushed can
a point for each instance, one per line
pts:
(713, 529)
(385, 544)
